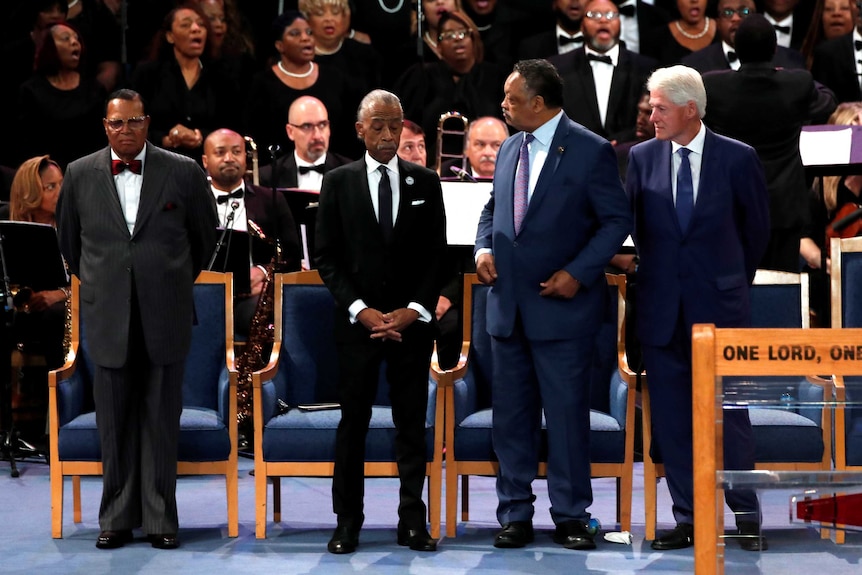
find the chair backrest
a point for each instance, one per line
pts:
(846, 277)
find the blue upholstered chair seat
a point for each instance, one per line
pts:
(781, 436)
(854, 442)
(310, 436)
(203, 437)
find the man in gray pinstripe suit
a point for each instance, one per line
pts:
(136, 224)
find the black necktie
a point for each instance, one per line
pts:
(384, 204)
(628, 10)
(223, 199)
(858, 45)
(305, 169)
(731, 56)
(566, 40)
(600, 58)
(782, 29)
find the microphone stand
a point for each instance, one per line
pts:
(273, 154)
(227, 225)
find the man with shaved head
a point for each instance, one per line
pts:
(308, 128)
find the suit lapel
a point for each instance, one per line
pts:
(591, 102)
(619, 79)
(665, 176)
(152, 186)
(107, 186)
(556, 151)
(362, 200)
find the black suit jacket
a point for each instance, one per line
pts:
(712, 58)
(834, 64)
(287, 170)
(542, 45)
(579, 92)
(766, 108)
(356, 263)
(275, 221)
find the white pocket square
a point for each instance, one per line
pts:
(417, 202)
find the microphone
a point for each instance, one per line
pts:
(847, 220)
(463, 175)
(273, 151)
(228, 224)
(234, 205)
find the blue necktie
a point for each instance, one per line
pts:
(684, 190)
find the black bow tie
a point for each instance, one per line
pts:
(782, 29)
(566, 40)
(600, 58)
(305, 169)
(628, 10)
(731, 56)
(858, 45)
(223, 199)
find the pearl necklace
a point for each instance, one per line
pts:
(292, 75)
(73, 3)
(431, 42)
(697, 36)
(389, 10)
(322, 52)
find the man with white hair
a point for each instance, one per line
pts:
(701, 212)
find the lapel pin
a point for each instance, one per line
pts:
(409, 180)
(561, 149)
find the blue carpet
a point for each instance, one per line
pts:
(298, 544)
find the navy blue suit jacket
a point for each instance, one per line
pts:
(705, 271)
(576, 220)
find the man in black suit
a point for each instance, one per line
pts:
(766, 107)
(789, 19)
(308, 128)
(837, 64)
(565, 37)
(136, 223)
(244, 207)
(381, 240)
(638, 19)
(723, 56)
(603, 80)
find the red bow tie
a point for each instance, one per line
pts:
(117, 166)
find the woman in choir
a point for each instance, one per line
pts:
(693, 30)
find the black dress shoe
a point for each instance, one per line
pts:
(681, 537)
(114, 539)
(344, 540)
(416, 539)
(514, 535)
(574, 535)
(163, 540)
(750, 537)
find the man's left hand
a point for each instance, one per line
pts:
(560, 285)
(395, 322)
(257, 278)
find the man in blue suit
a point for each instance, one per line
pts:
(556, 216)
(701, 212)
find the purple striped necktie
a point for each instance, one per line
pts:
(522, 182)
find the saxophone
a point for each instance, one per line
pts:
(256, 352)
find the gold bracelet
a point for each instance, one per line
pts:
(67, 293)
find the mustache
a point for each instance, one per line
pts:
(492, 159)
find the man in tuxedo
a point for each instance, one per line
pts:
(637, 19)
(136, 223)
(557, 214)
(837, 63)
(245, 207)
(412, 145)
(381, 240)
(766, 108)
(603, 80)
(308, 128)
(790, 19)
(723, 56)
(483, 138)
(565, 37)
(701, 212)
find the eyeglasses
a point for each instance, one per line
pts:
(309, 127)
(454, 35)
(136, 123)
(729, 12)
(609, 15)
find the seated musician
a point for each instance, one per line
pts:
(839, 197)
(40, 322)
(254, 210)
(308, 128)
(484, 137)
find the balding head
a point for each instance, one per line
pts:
(308, 128)
(224, 159)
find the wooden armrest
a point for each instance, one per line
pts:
(268, 371)
(66, 370)
(447, 377)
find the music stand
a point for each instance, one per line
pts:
(233, 255)
(30, 257)
(303, 207)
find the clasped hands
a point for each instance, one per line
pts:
(387, 325)
(560, 285)
(182, 137)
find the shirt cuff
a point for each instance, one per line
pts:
(424, 316)
(481, 251)
(354, 310)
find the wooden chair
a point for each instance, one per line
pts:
(467, 405)
(208, 427)
(303, 369)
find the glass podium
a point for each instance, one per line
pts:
(758, 369)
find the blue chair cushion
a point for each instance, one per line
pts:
(781, 436)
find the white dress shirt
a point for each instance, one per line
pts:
(695, 160)
(239, 221)
(309, 180)
(571, 45)
(727, 49)
(129, 189)
(782, 38)
(629, 31)
(857, 56)
(603, 75)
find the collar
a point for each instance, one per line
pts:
(786, 22)
(217, 192)
(561, 32)
(696, 144)
(371, 164)
(856, 37)
(141, 156)
(545, 133)
(614, 53)
(725, 47)
(300, 162)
